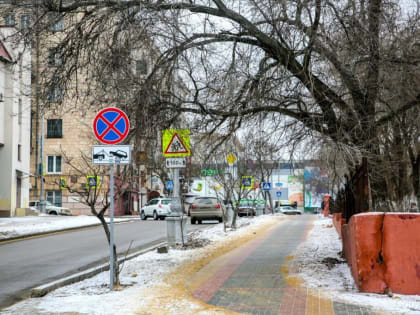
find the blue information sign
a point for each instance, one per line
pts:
(169, 185)
(278, 193)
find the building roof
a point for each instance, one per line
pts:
(4, 54)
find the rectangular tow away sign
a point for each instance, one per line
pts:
(111, 154)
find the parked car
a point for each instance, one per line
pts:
(119, 154)
(287, 210)
(205, 208)
(157, 208)
(99, 156)
(50, 208)
(246, 210)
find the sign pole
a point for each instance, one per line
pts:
(176, 182)
(111, 230)
(111, 126)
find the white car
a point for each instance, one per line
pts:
(157, 208)
(288, 210)
(50, 208)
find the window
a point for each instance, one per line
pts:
(141, 66)
(19, 153)
(55, 95)
(205, 201)
(56, 23)
(25, 21)
(20, 112)
(54, 128)
(54, 197)
(53, 164)
(9, 20)
(54, 58)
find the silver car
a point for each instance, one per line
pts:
(288, 210)
(50, 208)
(206, 208)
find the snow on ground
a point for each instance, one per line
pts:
(323, 242)
(92, 296)
(21, 226)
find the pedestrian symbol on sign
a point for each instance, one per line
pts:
(247, 182)
(266, 186)
(176, 145)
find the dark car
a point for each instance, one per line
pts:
(99, 156)
(119, 153)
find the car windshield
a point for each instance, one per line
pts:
(166, 201)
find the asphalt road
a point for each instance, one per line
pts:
(31, 262)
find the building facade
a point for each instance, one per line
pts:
(15, 125)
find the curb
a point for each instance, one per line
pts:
(21, 237)
(42, 290)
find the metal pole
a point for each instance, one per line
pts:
(176, 183)
(111, 230)
(41, 153)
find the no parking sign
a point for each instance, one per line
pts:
(111, 125)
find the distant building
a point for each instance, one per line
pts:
(15, 125)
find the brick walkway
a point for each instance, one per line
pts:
(251, 279)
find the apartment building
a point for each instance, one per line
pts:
(61, 137)
(15, 125)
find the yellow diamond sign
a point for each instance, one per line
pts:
(231, 158)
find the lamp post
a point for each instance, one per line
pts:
(41, 156)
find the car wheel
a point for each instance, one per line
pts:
(53, 213)
(193, 220)
(220, 220)
(162, 218)
(200, 222)
(143, 216)
(155, 215)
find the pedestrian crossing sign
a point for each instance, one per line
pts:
(247, 182)
(266, 186)
(176, 142)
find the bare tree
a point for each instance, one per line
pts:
(321, 64)
(95, 193)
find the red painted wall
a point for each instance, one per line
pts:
(383, 251)
(401, 251)
(338, 222)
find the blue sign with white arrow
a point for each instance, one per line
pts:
(169, 185)
(266, 186)
(278, 193)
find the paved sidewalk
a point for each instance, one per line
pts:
(253, 278)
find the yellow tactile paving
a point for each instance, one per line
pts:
(318, 305)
